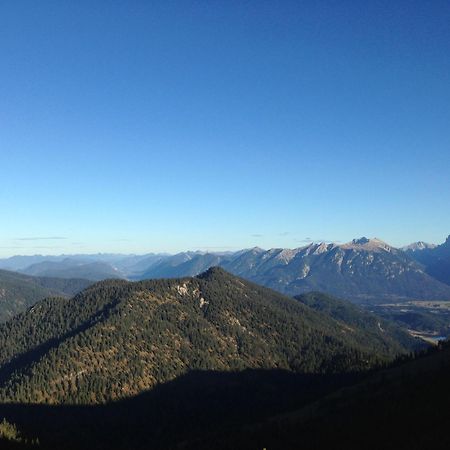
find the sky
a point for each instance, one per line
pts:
(146, 126)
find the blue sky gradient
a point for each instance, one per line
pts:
(137, 126)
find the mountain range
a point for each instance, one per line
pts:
(362, 270)
(365, 271)
(69, 268)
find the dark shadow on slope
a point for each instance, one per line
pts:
(404, 407)
(6, 444)
(176, 413)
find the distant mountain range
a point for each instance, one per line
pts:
(363, 270)
(69, 268)
(117, 263)
(434, 258)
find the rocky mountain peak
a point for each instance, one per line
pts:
(417, 246)
(360, 241)
(364, 243)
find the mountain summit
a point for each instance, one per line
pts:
(374, 244)
(435, 259)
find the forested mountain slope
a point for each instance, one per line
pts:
(402, 406)
(118, 338)
(369, 327)
(18, 291)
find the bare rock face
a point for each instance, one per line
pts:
(358, 270)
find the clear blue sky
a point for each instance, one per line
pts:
(163, 126)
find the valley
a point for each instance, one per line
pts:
(428, 320)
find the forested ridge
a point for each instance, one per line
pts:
(19, 291)
(370, 329)
(118, 338)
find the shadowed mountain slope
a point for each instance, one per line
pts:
(401, 407)
(435, 259)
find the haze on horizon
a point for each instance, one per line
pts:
(132, 127)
